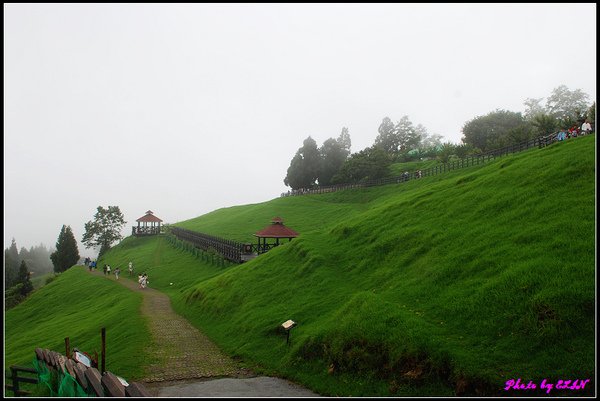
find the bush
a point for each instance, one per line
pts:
(13, 297)
(51, 278)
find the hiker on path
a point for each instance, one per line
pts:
(144, 281)
(130, 269)
(104, 269)
(117, 272)
(108, 269)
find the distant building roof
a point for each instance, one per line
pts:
(276, 230)
(149, 218)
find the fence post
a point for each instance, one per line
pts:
(67, 347)
(15, 381)
(103, 350)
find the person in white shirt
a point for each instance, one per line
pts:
(586, 128)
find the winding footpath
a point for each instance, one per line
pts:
(186, 362)
(180, 351)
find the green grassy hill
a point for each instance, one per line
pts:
(472, 277)
(77, 305)
(457, 282)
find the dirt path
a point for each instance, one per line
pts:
(181, 351)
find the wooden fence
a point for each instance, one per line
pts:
(87, 376)
(230, 250)
(90, 379)
(16, 379)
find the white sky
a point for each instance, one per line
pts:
(187, 108)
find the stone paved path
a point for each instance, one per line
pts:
(181, 351)
(188, 364)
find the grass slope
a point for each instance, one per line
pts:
(477, 276)
(459, 281)
(77, 305)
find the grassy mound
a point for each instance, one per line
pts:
(450, 284)
(77, 305)
(466, 279)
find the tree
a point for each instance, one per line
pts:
(387, 140)
(344, 140)
(567, 105)
(447, 150)
(66, 254)
(463, 150)
(24, 279)
(105, 229)
(544, 124)
(492, 130)
(519, 134)
(11, 264)
(39, 260)
(304, 167)
(591, 114)
(333, 153)
(533, 108)
(428, 140)
(294, 177)
(399, 138)
(408, 137)
(368, 164)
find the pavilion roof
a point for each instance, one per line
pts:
(276, 230)
(149, 218)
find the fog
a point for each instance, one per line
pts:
(183, 109)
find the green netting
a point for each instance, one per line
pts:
(68, 387)
(59, 384)
(44, 375)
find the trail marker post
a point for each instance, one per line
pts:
(288, 326)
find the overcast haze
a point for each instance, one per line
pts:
(187, 108)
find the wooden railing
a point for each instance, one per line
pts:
(228, 249)
(15, 379)
(139, 231)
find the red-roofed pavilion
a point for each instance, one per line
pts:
(277, 231)
(147, 225)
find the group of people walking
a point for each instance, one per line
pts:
(107, 269)
(142, 278)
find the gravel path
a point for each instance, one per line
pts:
(181, 351)
(188, 364)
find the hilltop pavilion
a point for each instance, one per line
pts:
(147, 225)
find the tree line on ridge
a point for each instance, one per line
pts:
(333, 162)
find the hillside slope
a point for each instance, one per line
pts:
(78, 305)
(450, 284)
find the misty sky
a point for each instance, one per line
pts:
(187, 108)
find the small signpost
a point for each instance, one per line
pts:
(287, 326)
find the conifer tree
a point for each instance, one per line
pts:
(11, 265)
(66, 254)
(24, 279)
